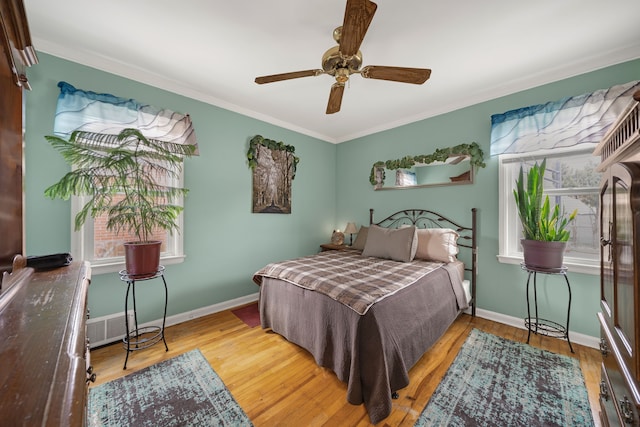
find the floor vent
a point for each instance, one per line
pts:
(107, 329)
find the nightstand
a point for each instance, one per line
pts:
(332, 247)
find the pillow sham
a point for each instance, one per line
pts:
(361, 238)
(437, 244)
(388, 243)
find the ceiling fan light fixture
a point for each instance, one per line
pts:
(342, 75)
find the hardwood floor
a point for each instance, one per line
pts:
(279, 384)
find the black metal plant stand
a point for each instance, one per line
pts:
(141, 338)
(544, 326)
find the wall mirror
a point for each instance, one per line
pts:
(446, 166)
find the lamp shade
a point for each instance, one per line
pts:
(350, 228)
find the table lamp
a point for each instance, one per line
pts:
(350, 229)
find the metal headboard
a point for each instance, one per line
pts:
(423, 218)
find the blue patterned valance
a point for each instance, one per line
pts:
(103, 113)
(576, 120)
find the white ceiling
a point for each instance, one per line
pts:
(212, 50)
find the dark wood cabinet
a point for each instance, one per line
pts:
(44, 359)
(620, 271)
(16, 54)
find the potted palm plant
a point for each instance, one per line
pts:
(544, 229)
(125, 177)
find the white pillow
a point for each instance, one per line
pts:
(389, 243)
(437, 244)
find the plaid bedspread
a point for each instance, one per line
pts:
(347, 277)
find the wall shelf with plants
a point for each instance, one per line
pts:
(471, 152)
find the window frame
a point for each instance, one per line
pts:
(82, 241)
(509, 251)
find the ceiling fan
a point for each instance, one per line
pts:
(345, 59)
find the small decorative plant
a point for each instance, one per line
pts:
(539, 221)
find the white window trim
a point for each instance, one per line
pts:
(82, 240)
(507, 213)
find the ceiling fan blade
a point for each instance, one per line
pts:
(335, 98)
(357, 17)
(288, 76)
(396, 74)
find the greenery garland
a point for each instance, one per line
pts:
(252, 157)
(441, 154)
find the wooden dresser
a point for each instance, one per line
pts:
(620, 270)
(44, 360)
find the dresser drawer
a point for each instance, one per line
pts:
(608, 409)
(619, 397)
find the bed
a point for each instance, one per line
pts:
(370, 312)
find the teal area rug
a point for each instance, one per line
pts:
(497, 382)
(182, 391)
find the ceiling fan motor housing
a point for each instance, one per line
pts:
(333, 60)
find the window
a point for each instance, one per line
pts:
(571, 181)
(405, 177)
(99, 116)
(105, 250)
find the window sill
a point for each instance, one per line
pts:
(116, 266)
(574, 267)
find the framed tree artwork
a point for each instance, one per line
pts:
(274, 168)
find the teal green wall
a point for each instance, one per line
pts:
(501, 286)
(224, 242)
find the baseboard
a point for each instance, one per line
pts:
(204, 311)
(517, 322)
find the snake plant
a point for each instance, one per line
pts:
(539, 221)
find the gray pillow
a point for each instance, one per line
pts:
(361, 238)
(388, 243)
